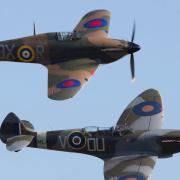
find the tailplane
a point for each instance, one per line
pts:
(16, 133)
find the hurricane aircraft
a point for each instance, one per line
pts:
(129, 149)
(71, 57)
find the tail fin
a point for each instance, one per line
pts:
(16, 133)
(93, 22)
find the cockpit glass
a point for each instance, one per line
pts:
(105, 128)
(98, 129)
(62, 36)
(91, 129)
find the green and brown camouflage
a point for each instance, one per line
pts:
(71, 58)
(129, 149)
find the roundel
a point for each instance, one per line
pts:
(132, 177)
(76, 140)
(96, 23)
(26, 53)
(147, 108)
(69, 83)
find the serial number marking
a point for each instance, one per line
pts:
(93, 144)
(96, 144)
(11, 51)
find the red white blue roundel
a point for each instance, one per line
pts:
(96, 23)
(147, 108)
(69, 83)
(132, 177)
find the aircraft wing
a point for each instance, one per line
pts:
(94, 23)
(66, 79)
(145, 112)
(133, 167)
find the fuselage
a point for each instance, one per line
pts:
(52, 48)
(107, 143)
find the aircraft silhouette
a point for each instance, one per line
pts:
(71, 57)
(129, 150)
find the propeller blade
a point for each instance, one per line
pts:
(133, 32)
(132, 66)
(34, 28)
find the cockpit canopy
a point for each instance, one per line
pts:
(118, 130)
(65, 36)
(97, 129)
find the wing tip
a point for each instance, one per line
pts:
(151, 92)
(97, 11)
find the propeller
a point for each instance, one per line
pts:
(132, 64)
(34, 28)
(133, 33)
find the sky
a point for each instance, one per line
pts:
(101, 102)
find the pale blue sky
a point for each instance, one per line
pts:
(24, 86)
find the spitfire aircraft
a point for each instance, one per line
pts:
(71, 58)
(129, 150)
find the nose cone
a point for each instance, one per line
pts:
(132, 47)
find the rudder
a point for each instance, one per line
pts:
(16, 134)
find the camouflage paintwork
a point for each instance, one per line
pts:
(81, 69)
(129, 150)
(120, 168)
(131, 119)
(102, 30)
(69, 56)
